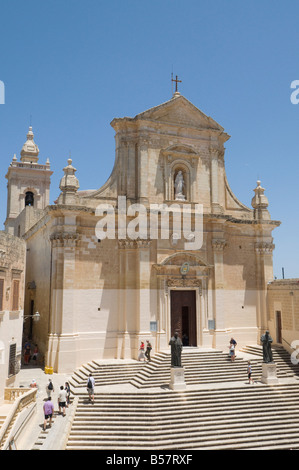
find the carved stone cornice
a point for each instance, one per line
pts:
(179, 152)
(264, 248)
(65, 239)
(184, 282)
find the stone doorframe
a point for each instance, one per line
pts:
(169, 278)
(198, 303)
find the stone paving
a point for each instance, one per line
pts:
(53, 438)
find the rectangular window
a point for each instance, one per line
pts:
(15, 295)
(1, 294)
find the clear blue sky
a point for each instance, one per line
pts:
(75, 65)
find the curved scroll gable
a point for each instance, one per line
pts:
(232, 203)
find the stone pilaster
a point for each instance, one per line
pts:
(215, 202)
(62, 321)
(143, 172)
(218, 245)
(264, 274)
(134, 294)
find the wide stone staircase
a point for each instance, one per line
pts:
(201, 367)
(135, 410)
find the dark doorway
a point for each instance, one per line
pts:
(183, 315)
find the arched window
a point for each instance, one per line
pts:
(29, 198)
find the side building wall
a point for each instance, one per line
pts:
(12, 279)
(283, 311)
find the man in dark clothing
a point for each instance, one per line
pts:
(148, 351)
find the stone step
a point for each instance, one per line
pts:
(250, 421)
(257, 437)
(203, 412)
(251, 443)
(199, 431)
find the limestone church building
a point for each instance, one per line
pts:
(99, 297)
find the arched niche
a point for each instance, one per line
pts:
(180, 167)
(175, 159)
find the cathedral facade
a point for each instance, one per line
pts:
(164, 245)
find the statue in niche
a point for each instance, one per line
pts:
(179, 185)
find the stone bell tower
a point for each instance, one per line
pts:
(28, 188)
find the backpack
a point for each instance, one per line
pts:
(89, 384)
(50, 386)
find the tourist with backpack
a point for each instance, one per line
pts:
(90, 388)
(50, 388)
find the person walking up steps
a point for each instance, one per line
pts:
(141, 355)
(50, 388)
(48, 412)
(68, 393)
(62, 396)
(148, 351)
(90, 387)
(249, 372)
(232, 352)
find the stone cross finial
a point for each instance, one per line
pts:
(176, 80)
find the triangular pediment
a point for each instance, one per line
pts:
(180, 111)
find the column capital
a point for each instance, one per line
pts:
(219, 244)
(65, 239)
(264, 248)
(133, 244)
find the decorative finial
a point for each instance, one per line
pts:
(30, 150)
(260, 203)
(69, 185)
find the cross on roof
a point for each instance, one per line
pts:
(176, 80)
